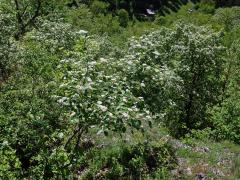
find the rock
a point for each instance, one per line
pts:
(200, 176)
(201, 149)
(177, 144)
(188, 171)
(174, 172)
(181, 161)
(87, 144)
(183, 171)
(218, 172)
(206, 149)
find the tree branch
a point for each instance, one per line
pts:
(22, 26)
(36, 14)
(18, 15)
(71, 137)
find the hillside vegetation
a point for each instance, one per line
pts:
(119, 89)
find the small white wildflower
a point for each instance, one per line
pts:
(148, 117)
(89, 79)
(103, 60)
(5, 143)
(82, 32)
(124, 99)
(100, 132)
(93, 63)
(99, 102)
(63, 101)
(110, 114)
(60, 135)
(63, 85)
(125, 115)
(156, 53)
(80, 88)
(148, 68)
(156, 70)
(129, 62)
(72, 114)
(103, 108)
(142, 84)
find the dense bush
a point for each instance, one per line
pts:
(123, 17)
(178, 74)
(225, 116)
(206, 6)
(128, 161)
(228, 17)
(99, 7)
(199, 61)
(101, 24)
(66, 86)
(7, 46)
(29, 122)
(95, 91)
(60, 85)
(10, 164)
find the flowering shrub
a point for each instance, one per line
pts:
(178, 73)
(68, 83)
(7, 46)
(199, 63)
(95, 91)
(150, 71)
(29, 123)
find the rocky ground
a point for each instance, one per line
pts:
(196, 159)
(209, 161)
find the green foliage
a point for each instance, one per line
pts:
(95, 91)
(151, 75)
(177, 76)
(99, 7)
(188, 13)
(124, 161)
(228, 17)
(29, 122)
(160, 20)
(10, 164)
(236, 167)
(101, 24)
(53, 164)
(226, 120)
(67, 73)
(199, 64)
(7, 46)
(203, 135)
(225, 116)
(123, 17)
(207, 6)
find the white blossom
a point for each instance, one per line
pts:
(103, 108)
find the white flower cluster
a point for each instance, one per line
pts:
(110, 92)
(97, 90)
